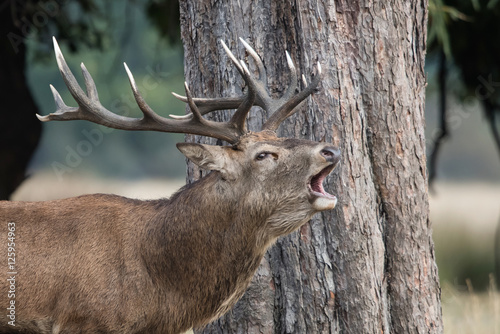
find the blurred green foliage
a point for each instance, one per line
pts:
(440, 16)
(467, 32)
(463, 40)
(126, 35)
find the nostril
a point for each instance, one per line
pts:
(331, 154)
(327, 153)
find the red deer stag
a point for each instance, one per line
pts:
(108, 264)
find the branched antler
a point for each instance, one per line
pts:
(90, 108)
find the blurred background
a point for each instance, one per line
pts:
(62, 160)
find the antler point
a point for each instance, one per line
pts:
(126, 68)
(57, 49)
(289, 60)
(59, 56)
(177, 117)
(42, 118)
(130, 78)
(178, 96)
(245, 44)
(54, 90)
(54, 41)
(245, 68)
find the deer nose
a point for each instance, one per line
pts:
(331, 154)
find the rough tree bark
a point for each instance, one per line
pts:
(367, 266)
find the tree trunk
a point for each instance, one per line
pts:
(368, 265)
(19, 128)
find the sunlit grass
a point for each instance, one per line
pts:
(45, 186)
(465, 218)
(468, 312)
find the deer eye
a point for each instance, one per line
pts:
(263, 155)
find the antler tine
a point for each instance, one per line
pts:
(255, 87)
(141, 103)
(304, 81)
(89, 83)
(258, 61)
(232, 57)
(68, 77)
(207, 105)
(287, 109)
(293, 77)
(62, 108)
(194, 109)
(240, 116)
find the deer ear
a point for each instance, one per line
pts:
(205, 156)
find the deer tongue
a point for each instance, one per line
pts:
(316, 182)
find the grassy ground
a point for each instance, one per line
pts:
(464, 217)
(469, 312)
(46, 186)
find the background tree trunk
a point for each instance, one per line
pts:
(19, 128)
(368, 265)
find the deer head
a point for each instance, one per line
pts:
(262, 155)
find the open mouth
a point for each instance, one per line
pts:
(322, 199)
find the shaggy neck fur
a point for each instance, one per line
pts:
(226, 246)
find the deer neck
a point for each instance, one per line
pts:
(221, 239)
